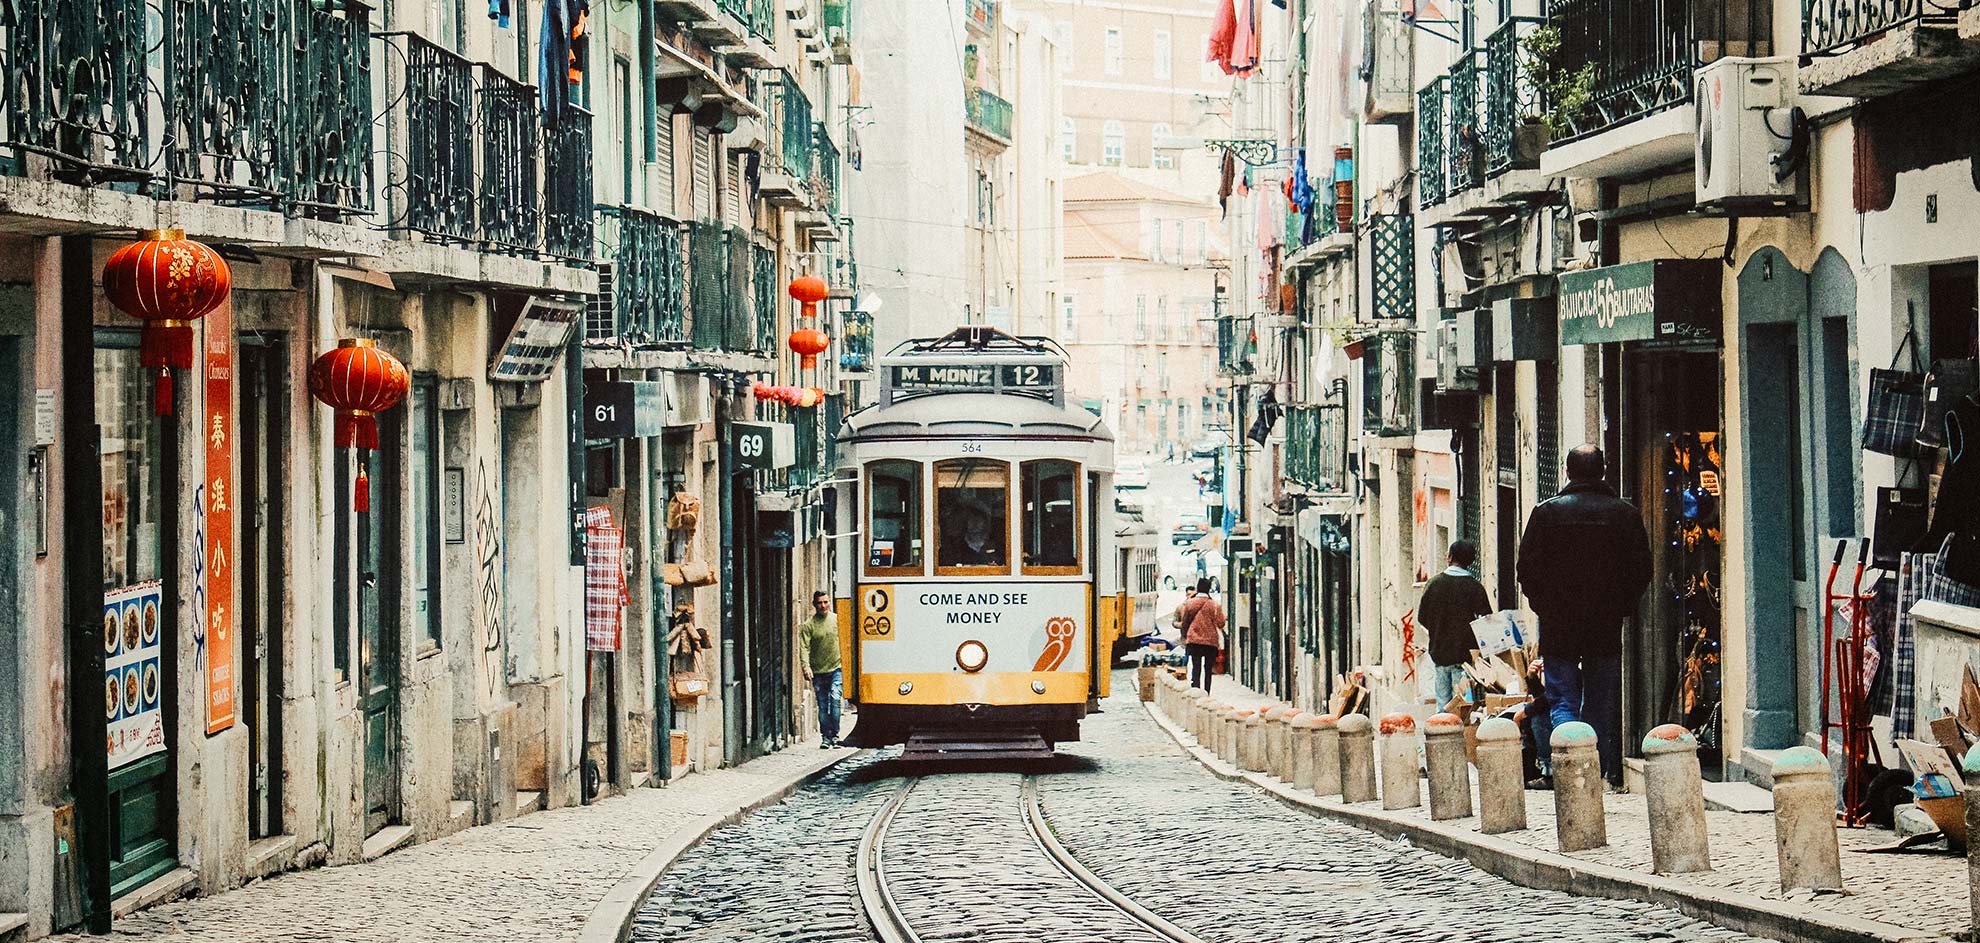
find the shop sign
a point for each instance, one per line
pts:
(131, 664)
(1657, 300)
(216, 498)
(624, 409)
(763, 445)
(1524, 329)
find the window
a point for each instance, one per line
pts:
(1165, 55)
(972, 508)
(1160, 141)
(1113, 143)
(1064, 31)
(1211, 71)
(1051, 517)
(1162, 327)
(1113, 52)
(986, 199)
(1067, 329)
(1141, 317)
(1069, 140)
(893, 521)
(425, 509)
(1202, 240)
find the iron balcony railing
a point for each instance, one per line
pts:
(1514, 95)
(648, 280)
(729, 308)
(981, 14)
(1618, 60)
(758, 16)
(989, 114)
(1430, 131)
(568, 222)
(855, 341)
(511, 138)
(763, 297)
(1832, 26)
(1464, 114)
(790, 120)
(825, 174)
(1237, 346)
(1316, 447)
(1388, 381)
(439, 176)
(254, 102)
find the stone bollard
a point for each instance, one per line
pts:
(1326, 756)
(1969, 770)
(1804, 821)
(1675, 794)
(1578, 815)
(1398, 749)
(1501, 778)
(1300, 735)
(1278, 747)
(1357, 742)
(1218, 737)
(1447, 768)
(1251, 756)
(1230, 722)
(1196, 704)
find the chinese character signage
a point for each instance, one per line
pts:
(132, 684)
(219, 499)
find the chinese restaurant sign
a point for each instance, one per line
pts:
(1660, 300)
(218, 431)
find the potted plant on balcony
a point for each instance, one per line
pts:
(1565, 95)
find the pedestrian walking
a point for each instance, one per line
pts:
(1584, 561)
(1202, 621)
(1451, 600)
(818, 651)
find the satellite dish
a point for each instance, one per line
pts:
(868, 302)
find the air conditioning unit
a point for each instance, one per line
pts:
(1746, 125)
(1457, 355)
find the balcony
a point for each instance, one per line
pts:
(648, 286)
(511, 137)
(1388, 58)
(980, 14)
(1515, 100)
(1874, 48)
(788, 159)
(1430, 143)
(568, 222)
(988, 115)
(259, 103)
(855, 342)
(1237, 347)
(1316, 448)
(1492, 125)
(1388, 381)
(726, 285)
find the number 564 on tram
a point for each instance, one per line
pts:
(981, 596)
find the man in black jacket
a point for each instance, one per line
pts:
(1584, 561)
(1451, 601)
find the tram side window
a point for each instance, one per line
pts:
(971, 513)
(1051, 514)
(894, 497)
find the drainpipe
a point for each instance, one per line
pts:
(82, 561)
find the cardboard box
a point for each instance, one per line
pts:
(1938, 790)
(1144, 677)
(677, 739)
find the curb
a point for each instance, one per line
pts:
(1549, 871)
(611, 920)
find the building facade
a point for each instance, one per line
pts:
(1509, 248)
(579, 250)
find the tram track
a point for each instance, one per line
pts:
(1077, 892)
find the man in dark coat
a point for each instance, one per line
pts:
(1584, 561)
(1451, 601)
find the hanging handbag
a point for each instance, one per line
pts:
(683, 512)
(1897, 405)
(698, 573)
(1948, 381)
(1899, 522)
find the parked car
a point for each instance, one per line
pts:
(1131, 477)
(1188, 532)
(1205, 448)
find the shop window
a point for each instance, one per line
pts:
(425, 509)
(893, 525)
(972, 509)
(133, 465)
(1050, 490)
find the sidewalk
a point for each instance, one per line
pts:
(1902, 896)
(558, 875)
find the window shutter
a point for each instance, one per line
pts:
(663, 164)
(704, 175)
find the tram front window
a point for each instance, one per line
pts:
(1051, 515)
(894, 502)
(971, 508)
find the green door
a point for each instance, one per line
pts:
(378, 630)
(139, 636)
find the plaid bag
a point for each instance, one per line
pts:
(1897, 407)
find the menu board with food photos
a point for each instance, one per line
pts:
(132, 683)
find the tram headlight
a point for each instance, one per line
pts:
(907, 687)
(971, 655)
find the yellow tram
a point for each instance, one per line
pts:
(982, 595)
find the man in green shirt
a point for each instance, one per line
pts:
(818, 650)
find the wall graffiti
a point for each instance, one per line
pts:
(488, 563)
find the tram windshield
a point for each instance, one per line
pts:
(1050, 489)
(894, 522)
(971, 513)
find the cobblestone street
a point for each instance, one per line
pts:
(1219, 859)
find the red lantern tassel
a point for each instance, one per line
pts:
(161, 393)
(166, 344)
(361, 495)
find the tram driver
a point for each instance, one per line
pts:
(977, 543)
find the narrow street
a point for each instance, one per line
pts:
(1219, 860)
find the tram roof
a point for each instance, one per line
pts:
(974, 414)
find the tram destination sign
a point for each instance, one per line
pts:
(1040, 378)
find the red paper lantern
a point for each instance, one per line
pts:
(167, 281)
(358, 381)
(809, 290)
(809, 342)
